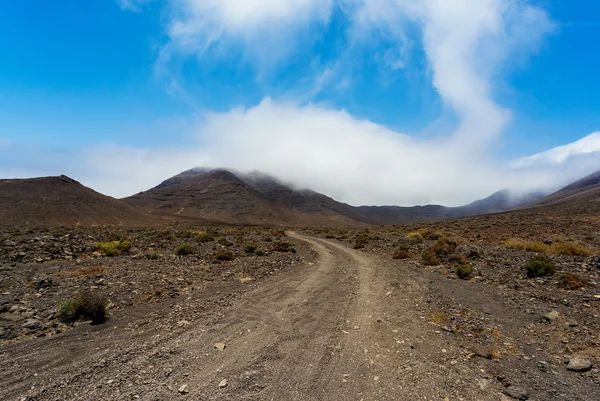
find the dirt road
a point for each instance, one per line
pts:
(350, 326)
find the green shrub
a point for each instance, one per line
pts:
(464, 271)
(154, 256)
(539, 266)
(85, 305)
(282, 246)
(184, 249)
(250, 248)
(557, 248)
(401, 254)
(203, 237)
(223, 255)
(113, 248)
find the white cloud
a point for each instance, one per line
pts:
(586, 146)
(330, 151)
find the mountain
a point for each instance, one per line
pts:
(497, 202)
(62, 201)
(584, 190)
(223, 196)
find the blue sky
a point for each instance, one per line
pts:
(89, 87)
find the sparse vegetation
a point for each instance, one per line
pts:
(223, 255)
(429, 258)
(204, 237)
(557, 248)
(464, 272)
(113, 248)
(540, 266)
(225, 242)
(400, 254)
(415, 237)
(282, 246)
(250, 248)
(572, 281)
(184, 249)
(85, 305)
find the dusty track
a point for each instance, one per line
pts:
(349, 327)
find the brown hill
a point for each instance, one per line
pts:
(584, 190)
(215, 195)
(226, 197)
(62, 201)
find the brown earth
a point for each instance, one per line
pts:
(328, 322)
(63, 201)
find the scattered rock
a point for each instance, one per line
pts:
(223, 383)
(483, 352)
(220, 346)
(183, 323)
(33, 324)
(517, 392)
(183, 389)
(551, 316)
(578, 364)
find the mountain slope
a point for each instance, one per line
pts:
(62, 201)
(584, 190)
(223, 196)
(497, 202)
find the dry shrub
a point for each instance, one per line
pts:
(572, 281)
(223, 255)
(557, 248)
(400, 254)
(282, 246)
(429, 258)
(204, 237)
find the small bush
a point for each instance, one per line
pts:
(458, 259)
(464, 271)
(203, 237)
(360, 241)
(250, 248)
(401, 254)
(185, 249)
(429, 258)
(414, 237)
(154, 256)
(225, 242)
(85, 305)
(113, 248)
(572, 281)
(281, 246)
(223, 255)
(539, 266)
(259, 252)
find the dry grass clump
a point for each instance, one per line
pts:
(204, 237)
(557, 248)
(572, 281)
(113, 248)
(223, 255)
(282, 246)
(360, 241)
(414, 237)
(401, 254)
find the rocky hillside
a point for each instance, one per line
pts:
(63, 201)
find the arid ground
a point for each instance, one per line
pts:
(349, 314)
